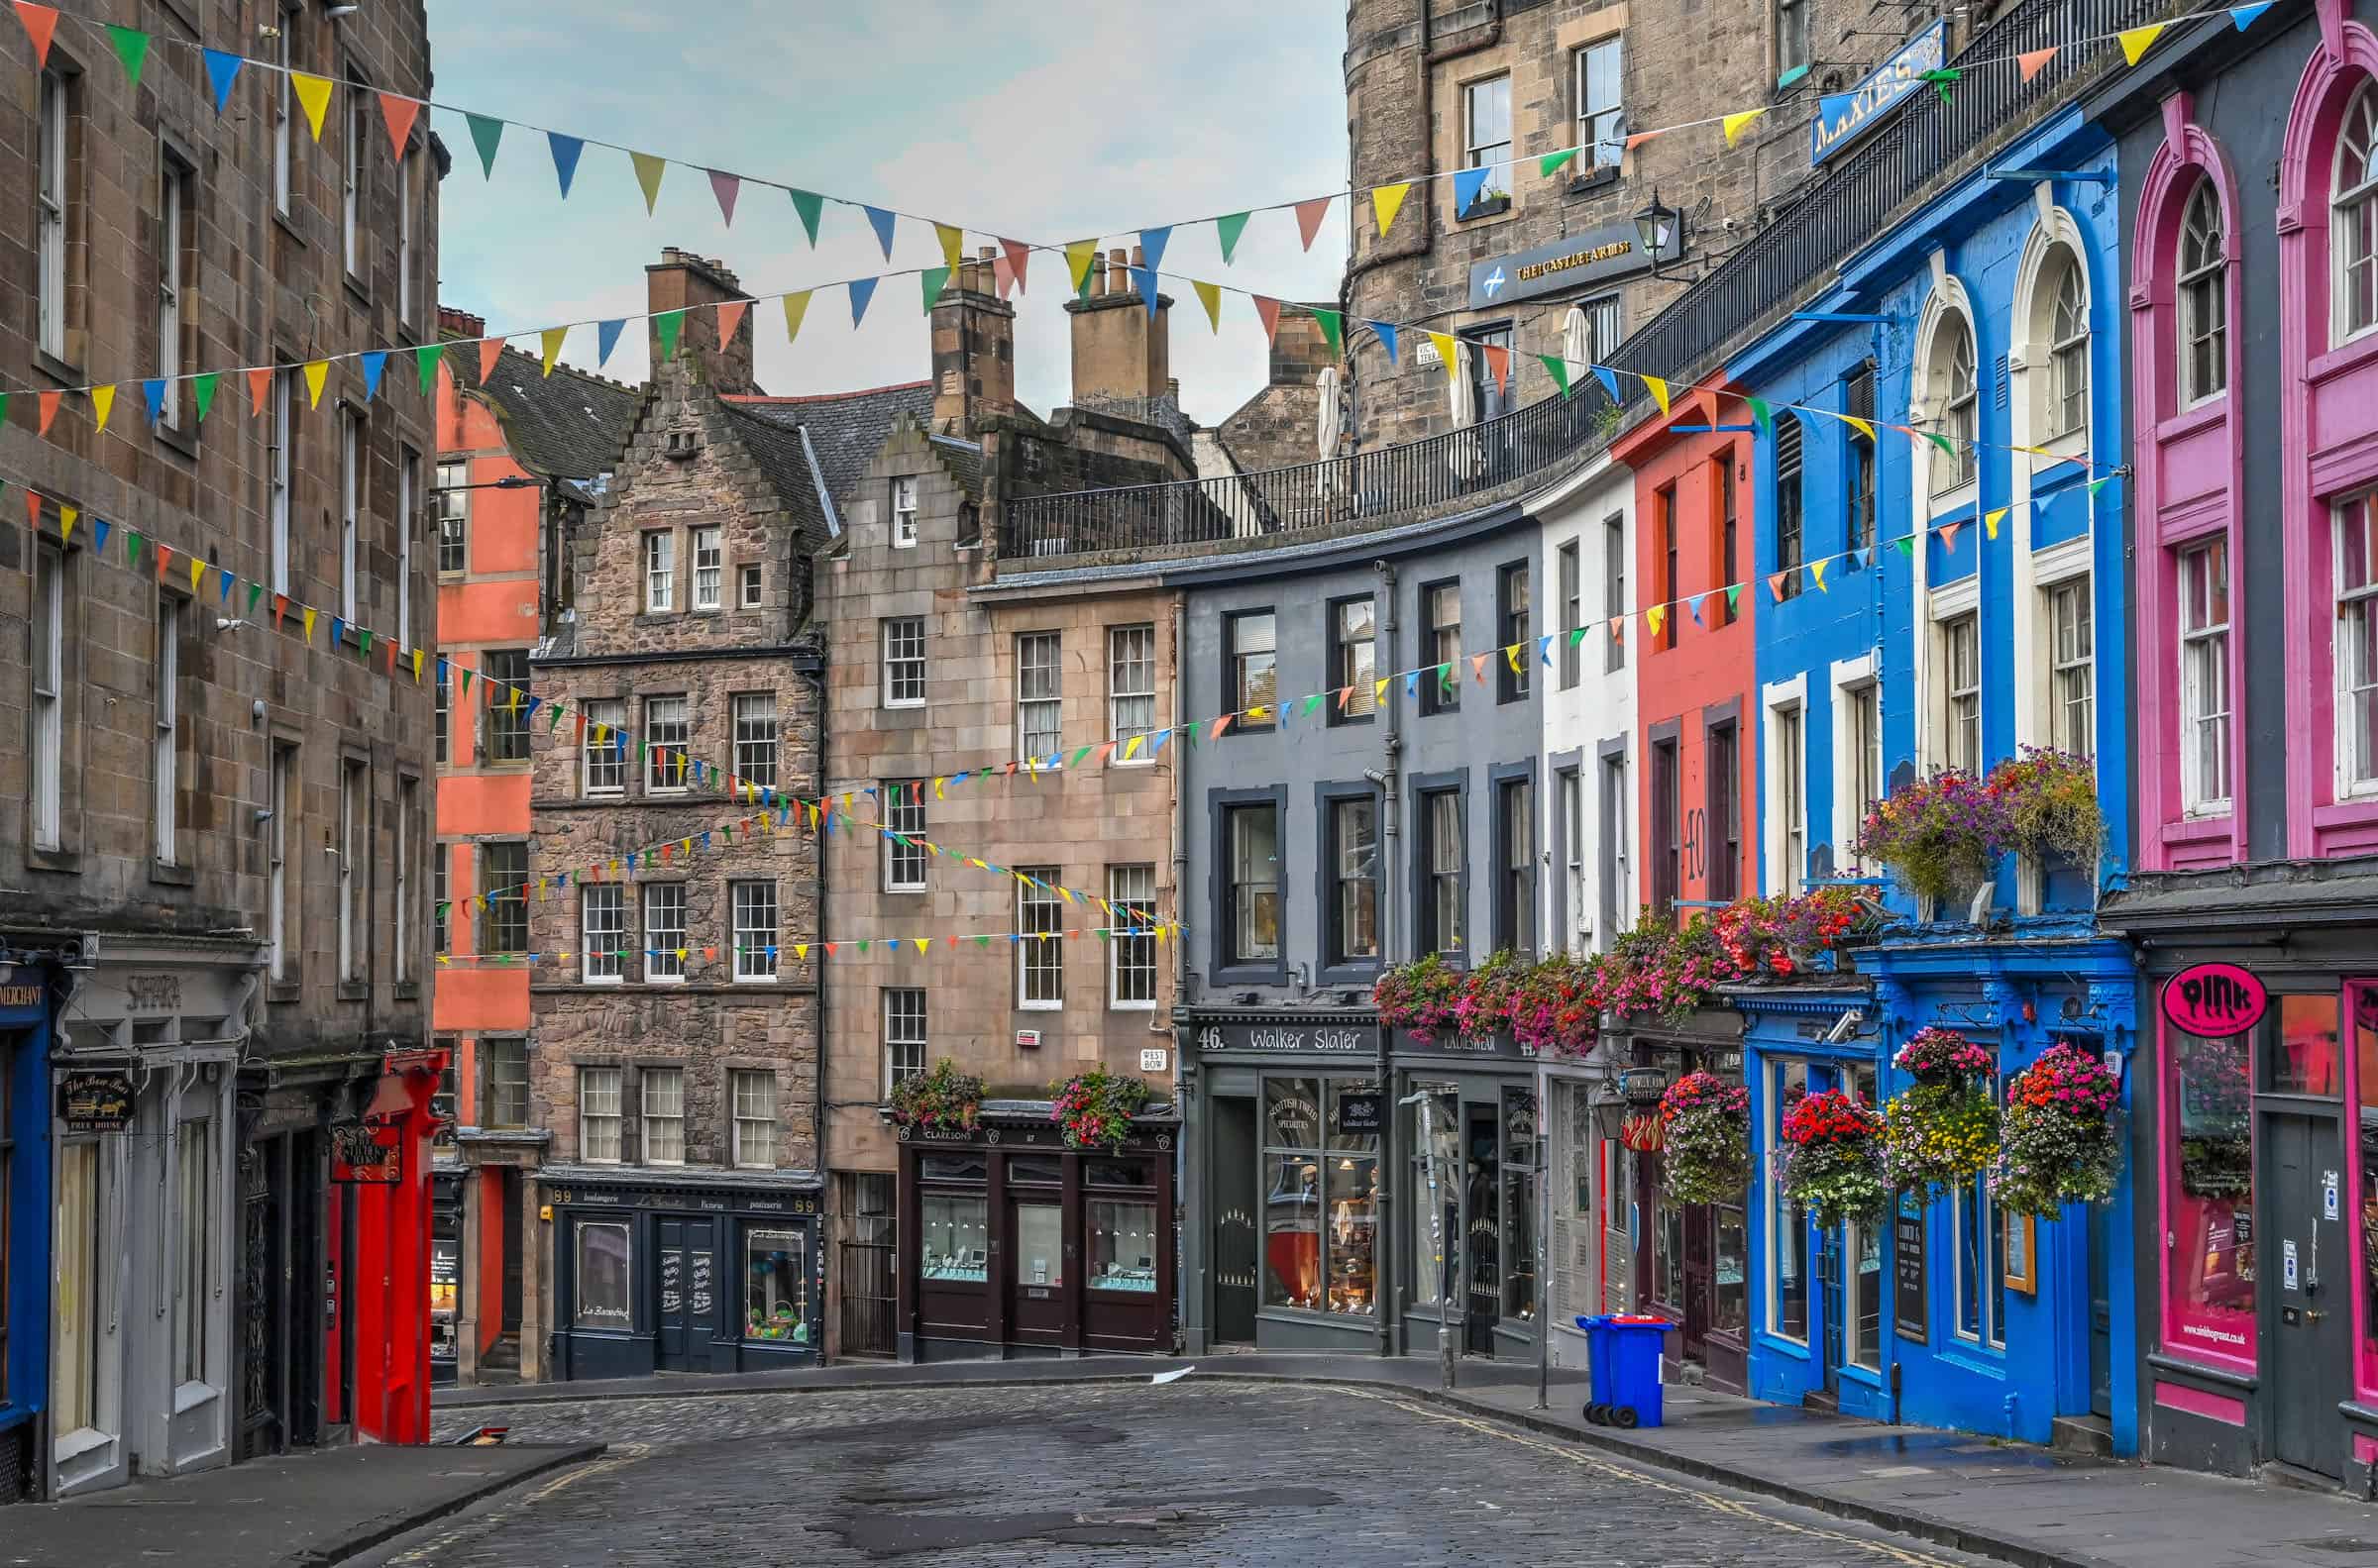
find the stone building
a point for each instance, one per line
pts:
(217, 807)
(1037, 890)
(1437, 86)
(523, 457)
(671, 894)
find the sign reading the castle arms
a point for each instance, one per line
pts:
(357, 1155)
(95, 1101)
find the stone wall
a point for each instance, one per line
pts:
(1280, 426)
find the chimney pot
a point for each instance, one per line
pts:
(1098, 273)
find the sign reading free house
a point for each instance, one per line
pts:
(1605, 251)
(1843, 117)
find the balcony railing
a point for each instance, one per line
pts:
(1367, 489)
(1926, 143)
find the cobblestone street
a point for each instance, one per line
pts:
(1184, 1473)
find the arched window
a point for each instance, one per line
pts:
(1956, 400)
(2067, 408)
(2353, 218)
(2203, 299)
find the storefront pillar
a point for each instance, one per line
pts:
(384, 1159)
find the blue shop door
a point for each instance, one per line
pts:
(689, 1295)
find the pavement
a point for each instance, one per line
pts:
(297, 1510)
(1969, 1495)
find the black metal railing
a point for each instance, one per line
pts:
(1927, 142)
(1368, 487)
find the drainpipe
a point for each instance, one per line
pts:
(1183, 1167)
(1391, 745)
(815, 680)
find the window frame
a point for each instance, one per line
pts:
(355, 187)
(507, 901)
(1134, 902)
(2207, 645)
(1614, 590)
(1440, 693)
(1518, 894)
(662, 756)
(1791, 504)
(743, 1115)
(54, 215)
(590, 1079)
(281, 475)
(904, 1027)
(1490, 155)
(48, 679)
(602, 965)
(742, 900)
(354, 806)
(1604, 150)
(893, 670)
(658, 555)
(1569, 577)
(1039, 659)
(1959, 637)
(2065, 415)
(1040, 952)
(2082, 664)
(902, 506)
(2359, 600)
(1787, 792)
(1354, 660)
(164, 805)
(751, 591)
(454, 517)
(2199, 296)
(1440, 877)
(606, 717)
(1330, 801)
(497, 1054)
(1234, 667)
(354, 447)
(659, 1108)
(1222, 886)
(177, 190)
(709, 539)
(1514, 611)
(509, 741)
(1721, 743)
(662, 965)
(903, 807)
(1792, 57)
(1954, 371)
(1128, 669)
(758, 738)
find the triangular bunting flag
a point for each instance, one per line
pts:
(879, 221)
(222, 70)
(1775, 584)
(426, 357)
(1308, 217)
(2244, 16)
(399, 113)
(1733, 597)
(1017, 255)
(375, 363)
(1467, 183)
(1151, 247)
(1558, 368)
(1078, 256)
(730, 319)
(202, 391)
(1989, 520)
(809, 205)
(936, 278)
(1267, 311)
(1816, 574)
(1554, 162)
(1386, 202)
(1656, 617)
(1332, 326)
(2032, 62)
(1906, 543)
(103, 403)
(153, 392)
(1948, 534)
(670, 325)
(1859, 425)
(1227, 230)
(726, 187)
(1635, 139)
(649, 169)
(566, 151)
(313, 96)
(1498, 365)
(1449, 352)
(1693, 607)
(132, 48)
(1658, 391)
(1210, 296)
(795, 307)
(2095, 485)
(607, 338)
(1762, 413)
(1735, 124)
(862, 289)
(46, 405)
(485, 135)
(490, 349)
(1610, 379)
(550, 342)
(1386, 331)
(318, 376)
(2138, 39)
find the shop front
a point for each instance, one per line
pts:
(32, 988)
(1284, 1230)
(708, 1271)
(445, 1273)
(1013, 1245)
(381, 1167)
(1468, 1136)
(1685, 1262)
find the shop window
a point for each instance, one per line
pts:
(1040, 1244)
(194, 1163)
(605, 1279)
(1787, 1222)
(1122, 1246)
(1030, 1168)
(1979, 1256)
(78, 1319)
(776, 1277)
(1731, 1296)
(1292, 1192)
(2308, 1058)
(957, 1238)
(2208, 1204)
(1520, 1297)
(2365, 1046)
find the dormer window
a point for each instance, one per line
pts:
(682, 443)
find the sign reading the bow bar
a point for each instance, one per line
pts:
(1606, 250)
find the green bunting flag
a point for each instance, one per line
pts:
(1554, 162)
(808, 204)
(1078, 755)
(202, 389)
(1228, 230)
(1941, 80)
(1312, 705)
(2095, 485)
(1762, 413)
(1556, 367)
(1733, 599)
(485, 135)
(426, 357)
(132, 546)
(669, 323)
(936, 278)
(256, 590)
(1947, 447)
(132, 48)
(1906, 543)
(982, 939)
(1332, 326)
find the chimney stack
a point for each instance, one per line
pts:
(1120, 354)
(683, 280)
(974, 349)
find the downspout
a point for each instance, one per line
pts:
(1386, 881)
(1176, 615)
(816, 681)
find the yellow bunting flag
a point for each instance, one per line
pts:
(1734, 124)
(197, 572)
(1655, 618)
(1816, 574)
(1859, 425)
(1386, 202)
(1511, 656)
(649, 167)
(2138, 39)
(1130, 748)
(313, 92)
(795, 307)
(1378, 690)
(103, 403)
(1449, 351)
(1210, 296)
(310, 628)
(316, 373)
(1659, 392)
(1078, 256)
(551, 339)
(417, 655)
(953, 244)
(1990, 521)
(65, 522)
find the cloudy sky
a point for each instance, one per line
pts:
(1046, 122)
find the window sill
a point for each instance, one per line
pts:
(2198, 829)
(58, 861)
(284, 990)
(754, 980)
(2197, 416)
(1039, 1006)
(2349, 355)
(358, 290)
(1132, 1006)
(170, 874)
(191, 1396)
(1348, 721)
(1353, 972)
(74, 1444)
(601, 981)
(57, 368)
(1774, 1343)
(406, 990)
(905, 703)
(354, 990)
(285, 218)
(1602, 178)
(2071, 447)
(906, 888)
(180, 439)
(1227, 975)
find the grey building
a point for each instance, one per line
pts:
(1351, 813)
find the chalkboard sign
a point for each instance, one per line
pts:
(1909, 1313)
(700, 1301)
(1361, 1112)
(672, 1269)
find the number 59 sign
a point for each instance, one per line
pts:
(2214, 1000)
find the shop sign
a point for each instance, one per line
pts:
(1843, 117)
(95, 1101)
(1333, 1037)
(2214, 1000)
(15, 999)
(1365, 1111)
(1909, 1314)
(1605, 252)
(357, 1156)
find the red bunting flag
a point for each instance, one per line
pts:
(1017, 255)
(725, 188)
(1269, 311)
(2034, 62)
(49, 402)
(280, 609)
(1221, 724)
(490, 351)
(1775, 586)
(32, 510)
(399, 112)
(1477, 665)
(1499, 362)
(730, 319)
(1309, 215)
(40, 22)
(163, 555)
(1344, 693)
(259, 382)
(1948, 535)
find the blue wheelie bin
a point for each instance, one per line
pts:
(1597, 1364)
(1635, 1372)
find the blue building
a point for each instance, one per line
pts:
(30, 996)
(1932, 604)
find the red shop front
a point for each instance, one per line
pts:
(379, 1241)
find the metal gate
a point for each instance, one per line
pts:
(869, 1299)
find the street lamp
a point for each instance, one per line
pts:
(510, 482)
(1658, 227)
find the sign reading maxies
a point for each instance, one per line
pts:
(1843, 117)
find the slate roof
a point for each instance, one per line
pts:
(565, 426)
(846, 429)
(964, 460)
(777, 448)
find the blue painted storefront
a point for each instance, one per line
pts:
(1971, 1354)
(29, 1000)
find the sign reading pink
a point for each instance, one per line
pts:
(2214, 1000)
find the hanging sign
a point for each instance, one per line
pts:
(1843, 117)
(1607, 251)
(2214, 1000)
(1362, 1112)
(357, 1156)
(95, 1101)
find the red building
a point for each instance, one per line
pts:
(1696, 705)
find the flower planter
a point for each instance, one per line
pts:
(1943, 1130)
(1705, 1136)
(1831, 1159)
(2060, 1141)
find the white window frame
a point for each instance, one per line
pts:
(1488, 154)
(709, 567)
(174, 194)
(661, 1116)
(602, 765)
(353, 786)
(906, 1020)
(901, 639)
(2079, 589)
(1132, 684)
(757, 737)
(752, 1102)
(1039, 693)
(1955, 365)
(282, 497)
(2207, 645)
(1132, 892)
(602, 932)
(662, 965)
(2353, 218)
(1855, 687)
(1602, 149)
(353, 187)
(904, 511)
(196, 1189)
(48, 686)
(660, 572)
(1040, 956)
(351, 506)
(2200, 293)
(602, 1126)
(667, 740)
(905, 866)
(454, 517)
(1576, 923)
(405, 291)
(2068, 352)
(1960, 705)
(54, 212)
(1775, 1206)
(2359, 601)
(409, 503)
(1784, 754)
(284, 122)
(752, 586)
(753, 965)
(165, 749)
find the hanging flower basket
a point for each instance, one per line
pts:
(1551, 1008)
(1778, 938)
(2059, 1142)
(1940, 836)
(1831, 1159)
(1420, 996)
(1945, 1129)
(2051, 804)
(942, 1099)
(1706, 1130)
(1094, 1107)
(1483, 1006)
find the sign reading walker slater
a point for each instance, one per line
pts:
(1318, 1036)
(1843, 117)
(1608, 250)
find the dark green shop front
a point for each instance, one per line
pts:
(707, 1274)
